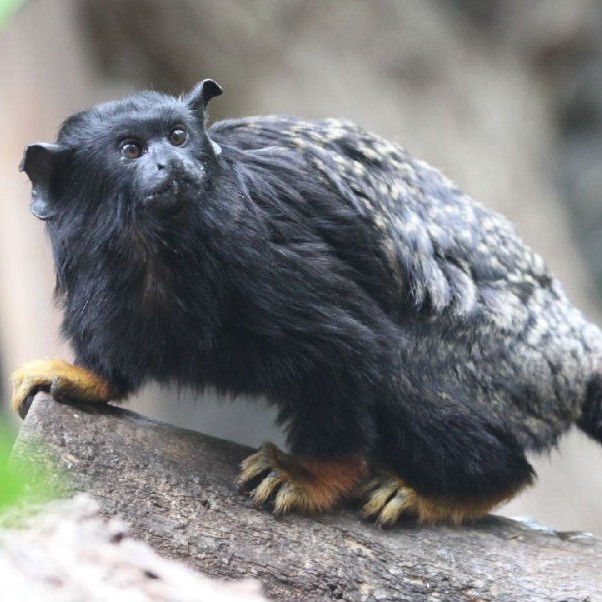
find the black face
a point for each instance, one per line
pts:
(154, 164)
(144, 157)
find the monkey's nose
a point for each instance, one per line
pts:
(172, 163)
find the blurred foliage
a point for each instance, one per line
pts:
(7, 8)
(28, 479)
(12, 483)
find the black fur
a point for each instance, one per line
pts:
(382, 311)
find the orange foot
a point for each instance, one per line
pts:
(302, 484)
(391, 498)
(62, 379)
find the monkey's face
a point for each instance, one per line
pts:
(160, 162)
(150, 165)
(141, 160)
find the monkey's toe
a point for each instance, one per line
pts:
(292, 483)
(390, 498)
(62, 379)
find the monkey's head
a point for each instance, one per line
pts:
(146, 156)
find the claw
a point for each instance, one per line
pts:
(292, 483)
(389, 498)
(267, 488)
(25, 405)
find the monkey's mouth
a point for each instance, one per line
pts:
(169, 198)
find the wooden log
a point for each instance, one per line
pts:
(65, 552)
(176, 489)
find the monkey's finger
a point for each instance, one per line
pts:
(86, 387)
(21, 403)
(24, 390)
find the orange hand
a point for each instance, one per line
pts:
(62, 379)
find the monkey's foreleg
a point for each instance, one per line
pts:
(61, 379)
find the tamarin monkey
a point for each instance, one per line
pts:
(414, 347)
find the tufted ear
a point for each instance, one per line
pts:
(40, 162)
(201, 94)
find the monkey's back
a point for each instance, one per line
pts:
(481, 320)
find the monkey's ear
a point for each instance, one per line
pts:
(39, 162)
(201, 94)
(198, 98)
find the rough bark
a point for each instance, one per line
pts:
(176, 489)
(65, 552)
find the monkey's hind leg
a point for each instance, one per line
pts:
(389, 498)
(291, 482)
(61, 379)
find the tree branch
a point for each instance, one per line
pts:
(176, 489)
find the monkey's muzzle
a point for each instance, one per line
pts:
(170, 198)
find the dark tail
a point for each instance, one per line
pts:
(590, 421)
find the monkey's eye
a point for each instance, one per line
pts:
(178, 136)
(130, 149)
